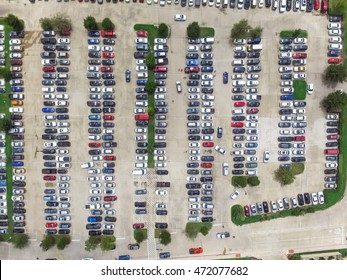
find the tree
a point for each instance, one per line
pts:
(284, 175)
(62, 23)
(336, 73)
(62, 241)
(150, 61)
(204, 230)
(12, 20)
(150, 87)
(253, 181)
(107, 24)
(239, 181)
(165, 237)
(19, 241)
(107, 243)
(47, 242)
(163, 30)
(240, 30)
(193, 30)
(46, 24)
(90, 23)
(297, 168)
(296, 33)
(91, 243)
(5, 73)
(255, 32)
(5, 125)
(139, 236)
(335, 101)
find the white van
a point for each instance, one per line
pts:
(139, 171)
(208, 40)
(238, 62)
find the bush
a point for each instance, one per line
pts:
(193, 30)
(298, 168)
(107, 243)
(61, 23)
(163, 30)
(107, 24)
(47, 242)
(62, 242)
(19, 241)
(165, 237)
(90, 23)
(240, 30)
(284, 175)
(253, 181)
(204, 231)
(239, 181)
(46, 24)
(255, 32)
(92, 243)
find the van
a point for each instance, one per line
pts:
(254, 48)
(139, 171)
(193, 219)
(208, 40)
(253, 4)
(251, 172)
(225, 4)
(238, 62)
(238, 111)
(143, 117)
(331, 151)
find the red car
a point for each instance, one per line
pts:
(49, 178)
(324, 6)
(194, 251)
(333, 137)
(109, 157)
(193, 69)
(206, 165)
(51, 225)
(106, 69)
(108, 34)
(48, 69)
(299, 55)
(142, 33)
(140, 225)
(299, 138)
(239, 104)
(107, 55)
(334, 60)
(252, 111)
(110, 198)
(207, 144)
(247, 211)
(108, 117)
(316, 5)
(94, 145)
(237, 124)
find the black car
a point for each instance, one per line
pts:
(298, 48)
(193, 192)
(19, 211)
(207, 90)
(64, 144)
(332, 130)
(192, 83)
(285, 111)
(289, 5)
(301, 199)
(238, 130)
(206, 63)
(139, 55)
(255, 61)
(141, 151)
(237, 159)
(193, 186)
(307, 198)
(331, 158)
(330, 171)
(298, 159)
(46, 41)
(94, 62)
(237, 97)
(237, 172)
(162, 225)
(193, 171)
(108, 62)
(161, 212)
(162, 172)
(193, 117)
(239, 54)
(160, 131)
(93, 226)
(94, 232)
(253, 104)
(284, 145)
(110, 219)
(253, 55)
(332, 123)
(332, 144)
(194, 137)
(63, 69)
(193, 111)
(285, 62)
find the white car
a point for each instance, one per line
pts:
(161, 192)
(309, 89)
(139, 41)
(234, 195)
(225, 169)
(285, 55)
(300, 69)
(15, 42)
(219, 150)
(266, 156)
(300, 41)
(314, 198)
(159, 41)
(335, 32)
(240, 49)
(194, 144)
(141, 68)
(180, 17)
(286, 83)
(93, 48)
(140, 61)
(285, 69)
(194, 90)
(335, 39)
(240, 41)
(320, 197)
(335, 47)
(299, 76)
(334, 25)
(16, 110)
(251, 83)
(64, 41)
(194, 96)
(192, 179)
(161, 205)
(332, 116)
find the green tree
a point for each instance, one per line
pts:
(204, 230)
(163, 30)
(90, 23)
(5, 125)
(296, 33)
(107, 24)
(5, 73)
(191, 230)
(47, 242)
(240, 30)
(294, 257)
(337, 7)
(336, 73)
(107, 243)
(150, 61)
(139, 236)
(150, 87)
(165, 237)
(239, 181)
(255, 32)
(19, 26)
(12, 20)
(335, 101)
(19, 241)
(151, 111)
(298, 168)
(193, 30)
(62, 23)
(253, 181)
(284, 175)
(92, 243)
(46, 23)
(62, 242)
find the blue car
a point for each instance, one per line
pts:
(61, 89)
(94, 117)
(193, 62)
(2, 90)
(287, 97)
(94, 124)
(225, 77)
(206, 69)
(17, 150)
(164, 255)
(239, 69)
(94, 34)
(334, 53)
(48, 110)
(141, 82)
(108, 170)
(2, 190)
(17, 163)
(286, 76)
(93, 41)
(17, 89)
(124, 257)
(3, 183)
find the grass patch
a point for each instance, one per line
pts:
(157, 232)
(206, 32)
(299, 89)
(152, 34)
(143, 230)
(298, 168)
(5, 103)
(290, 34)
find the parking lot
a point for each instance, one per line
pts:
(176, 136)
